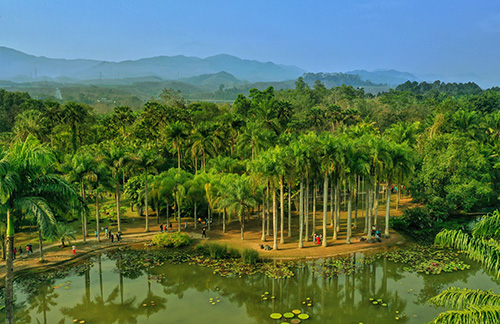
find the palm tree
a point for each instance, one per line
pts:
(116, 158)
(481, 245)
(238, 198)
(122, 117)
(28, 185)
(400, 163)
(176, 133)
(64, 233)
(469, 306)
(204, 140)
(147, 162)
(74, 114)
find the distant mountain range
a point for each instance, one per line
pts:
(21, 67)
(194, 75)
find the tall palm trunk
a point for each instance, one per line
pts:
(325, 206)
(282, 209)
(267, 209)
(356, 206)
(376, 203)
(9, 271)
(306, 215)
(337, 203)
(146, 203)
(289, 209)
(388, 208)
(332, 202)
(275, 220)
(117, 194)
(263, 237)
(314, 207)
(368, 218)
(97, 216)
(349, 215)
(84, 217)
(301, 212)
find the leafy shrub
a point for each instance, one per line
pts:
(424, 223)
(250, 256)
(176, 239)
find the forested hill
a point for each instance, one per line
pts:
(450, 89)
(21, 67)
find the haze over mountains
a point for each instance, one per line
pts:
(16, 66)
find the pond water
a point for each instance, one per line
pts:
(183, 293)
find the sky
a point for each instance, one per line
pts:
(440, 37)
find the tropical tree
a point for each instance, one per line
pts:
(238, 198)
(74, 114)
(146, 164)
(176, 133)
(29, 185)
(117, 159)
(399, 165)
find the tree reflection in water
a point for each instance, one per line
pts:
(136, 296)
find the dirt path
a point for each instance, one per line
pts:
(133, 235)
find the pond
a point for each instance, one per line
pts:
(184, 293)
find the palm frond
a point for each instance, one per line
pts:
(485, 251)
(458, 298)
(472, 315)
(37, 209)
(488, 226)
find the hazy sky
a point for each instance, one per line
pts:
(423, 36)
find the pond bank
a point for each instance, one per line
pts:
(56, 257)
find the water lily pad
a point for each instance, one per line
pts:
(297, 311)
(288, 315)
(397, 318)
(81, 322)
(384, 305)
(375, 302)
(303, 316)
(295, 321)
(309, 305)
(275, 315)
(144, 305)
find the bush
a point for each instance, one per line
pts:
(176, 239)
(250, 256)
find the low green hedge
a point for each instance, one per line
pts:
(175, 239)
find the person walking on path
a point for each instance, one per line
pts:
(14, 252)
(21, 252)
(204, 233)
(74, 249)
(161, 228)
(112, 237)
(30, 247)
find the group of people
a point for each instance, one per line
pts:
(29, 250)
(163, 228)
(112, 236)
(317, 239)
